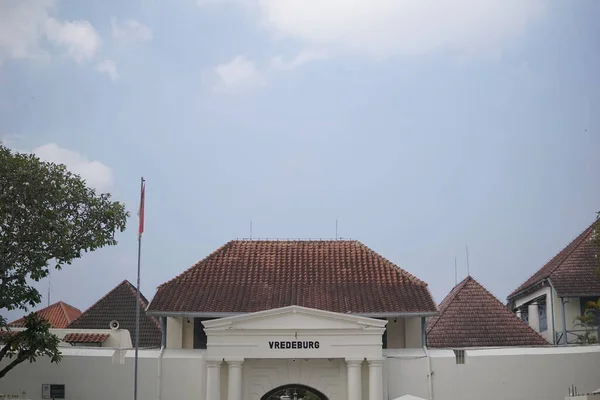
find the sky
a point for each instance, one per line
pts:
(421, 126)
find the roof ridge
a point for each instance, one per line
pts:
(398, 269)
(559, 258)
(450, 297)
(506, 308)
(98, 301)
(64, 311)
(143, 302)
(208, 257)
(495, 302)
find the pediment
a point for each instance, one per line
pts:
(294, 318)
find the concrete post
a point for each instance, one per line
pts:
(234, 384)
(354, 379)
(534, 317)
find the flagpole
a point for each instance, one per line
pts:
(137, 308)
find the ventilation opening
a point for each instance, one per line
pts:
(460, 356)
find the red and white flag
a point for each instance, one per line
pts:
(141, 212)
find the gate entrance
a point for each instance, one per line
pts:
(294, 392)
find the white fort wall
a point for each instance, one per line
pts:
(516, 374)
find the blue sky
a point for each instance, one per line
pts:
(420, 126)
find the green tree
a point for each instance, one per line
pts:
(48, 218)
(589, 322)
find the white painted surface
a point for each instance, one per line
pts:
(494, 374)
(396, 333)
(516, 374)
(187, 333)
(490, 374)
(174, 332)
(554, 312)
(413, 336)
(279, 333)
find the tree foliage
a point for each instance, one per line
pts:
(589, 322)
(35, 341)
(48, 218)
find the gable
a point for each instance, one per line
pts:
(120, 305)
(470, 316)
(294, 331)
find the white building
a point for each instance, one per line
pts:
(317, 320)
(551, 299)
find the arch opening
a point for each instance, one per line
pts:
(294, 392)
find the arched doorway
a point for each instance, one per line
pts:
(294, 392)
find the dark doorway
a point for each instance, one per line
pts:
(294, 392)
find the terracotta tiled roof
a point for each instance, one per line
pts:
(573, 270)
(59, 315)
(333, 275)
(120, 304)
(470, 316)
(85, 337)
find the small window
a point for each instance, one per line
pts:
(460, 356)
(543, 316)
(525, 314)
(384, 337)
(199, 334)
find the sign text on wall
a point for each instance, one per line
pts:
(294, 344)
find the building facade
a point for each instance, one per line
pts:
(553, 298)
(263, 307)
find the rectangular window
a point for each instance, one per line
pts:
(525, 314)
(199, 334)
(460, 356)
(543, 316)
(384, 338)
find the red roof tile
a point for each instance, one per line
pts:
(120, 304)
(470, 316)
(572, 272)
(59, 315)
(85, 337)
(333, 275)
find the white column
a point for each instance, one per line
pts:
(213, 379)
(376, 379)
(534, 317)
(234, 391)
(354, 379)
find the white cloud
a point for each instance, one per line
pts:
(108, 67)
(79, 38)
(24, 24)
(130, 30)
(238, 74)
(304, 57)
(382, 28)
(96, 174)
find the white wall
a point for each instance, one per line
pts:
(551, 316)
(515, 374)
(494, 374)
(187, 333)
(90, 374)
(396, 333)
(174, 333)
(413, 335)
(555, 319)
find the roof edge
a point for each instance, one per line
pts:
(197, 314)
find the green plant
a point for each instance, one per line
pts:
(48, 218)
